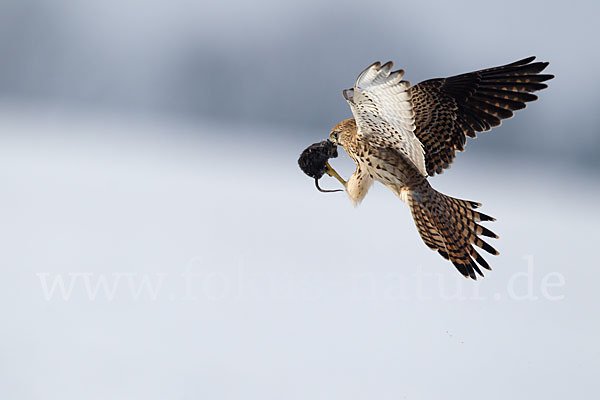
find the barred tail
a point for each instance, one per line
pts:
(450, 226)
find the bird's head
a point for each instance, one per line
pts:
(343, 132)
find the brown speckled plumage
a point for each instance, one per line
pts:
(447, 110)
(401, 135)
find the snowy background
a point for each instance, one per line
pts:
(160, 242)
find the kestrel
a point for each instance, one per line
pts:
(401, 134)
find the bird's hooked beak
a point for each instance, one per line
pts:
(333, 138)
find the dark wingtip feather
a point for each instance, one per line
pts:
(481, 260)
(486, 232)
(540, 66)
(521, 62)
(484, 217)
(462, 268)
(485, 246)
(476, 268)
(528, 60)
(474, 204)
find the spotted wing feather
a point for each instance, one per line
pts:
(380, 102)
(447, 110)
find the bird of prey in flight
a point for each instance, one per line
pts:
(402, 134)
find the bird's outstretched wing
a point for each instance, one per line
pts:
(447, 110)
(383, 112)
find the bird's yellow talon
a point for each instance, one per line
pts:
(333, 173)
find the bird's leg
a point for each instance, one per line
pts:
(332, 172)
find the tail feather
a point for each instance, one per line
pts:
(450, 226)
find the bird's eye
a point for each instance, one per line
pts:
(333, 135)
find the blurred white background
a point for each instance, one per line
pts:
(159, 240)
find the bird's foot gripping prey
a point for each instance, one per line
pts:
(402, 134)
(314, 162)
